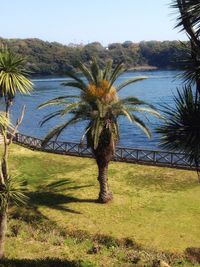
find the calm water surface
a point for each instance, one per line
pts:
(157, 89)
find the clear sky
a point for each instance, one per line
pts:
(84, 21)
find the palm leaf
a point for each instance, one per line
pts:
(77, 85)
(59, 129)
(146, 110)
(50, 116)
(86, 72)
(74, 76)
(132, 80)
(107, 71)
(119, 69)
(134, 119)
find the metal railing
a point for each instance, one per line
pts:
(123, 154)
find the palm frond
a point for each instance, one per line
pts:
(108, 70)
(134, 119)
(77, 85)
(119, 69)
(86, 72)
(130, 81)
(134, 101)
(50, 116)
(95, 71)
(96, 131)
(80, 83)
(55, 101)
(59, 129)
(70, 107)
(145, 110)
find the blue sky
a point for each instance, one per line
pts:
(83, 21)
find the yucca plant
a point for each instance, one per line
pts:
(189, 21)
(181, 130)
(99, 104)
(13, 76)
(13, 79)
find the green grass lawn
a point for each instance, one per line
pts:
(154, 210)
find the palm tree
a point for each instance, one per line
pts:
(99, 104)
(13, 79)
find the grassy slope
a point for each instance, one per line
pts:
(157, 207)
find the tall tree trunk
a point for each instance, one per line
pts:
(105, 194)
(3, 227)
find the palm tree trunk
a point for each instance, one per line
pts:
(3, 227)
(105, 194)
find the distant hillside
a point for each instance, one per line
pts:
(45, 58)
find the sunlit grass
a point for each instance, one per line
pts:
(158, 208)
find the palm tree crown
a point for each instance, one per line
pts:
(98, 103)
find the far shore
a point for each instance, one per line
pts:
(145, 67)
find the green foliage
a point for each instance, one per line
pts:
(182, 128)
(12, 190)
(181, 131)
(189, 13)
(46, 58)
(4, 122)
(189, 21)
(99, 104)
(13, 74)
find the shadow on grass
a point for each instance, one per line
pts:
(48, 262)
(54, 195)
(55, 201)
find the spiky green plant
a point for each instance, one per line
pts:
(13, 79)
(13, 76)
(13, 190)
(99, 104)
(188, 20)
(181, 130)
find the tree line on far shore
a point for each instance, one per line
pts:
(52, 58)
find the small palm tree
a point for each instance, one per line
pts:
(13, 79)
(99, 104)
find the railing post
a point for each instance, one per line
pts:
(121, 153)
(137, 155)
(154, 156)
(16, 137)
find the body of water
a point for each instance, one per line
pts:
(157, 89)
